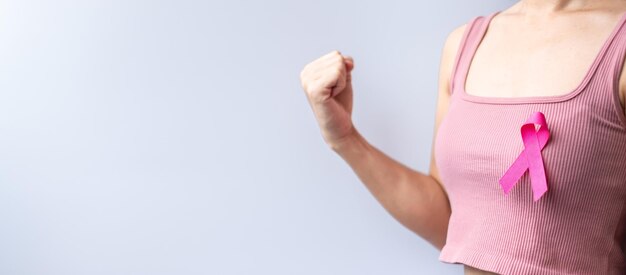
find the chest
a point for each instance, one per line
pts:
(478, 142)
(519, 60)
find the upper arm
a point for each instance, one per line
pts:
(449, 52)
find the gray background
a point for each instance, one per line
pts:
(173, 137)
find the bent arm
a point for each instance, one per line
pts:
(417, 200)
(413, 198)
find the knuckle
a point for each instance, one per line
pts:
(337, 71)
(333, 53)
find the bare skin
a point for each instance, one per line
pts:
(530, 34)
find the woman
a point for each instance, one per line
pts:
(528, 167)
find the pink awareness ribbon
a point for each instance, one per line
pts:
(530, 158)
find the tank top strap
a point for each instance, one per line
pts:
(611, 57)
(602, 91)
(473, 33)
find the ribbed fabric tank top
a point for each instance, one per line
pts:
(577, 226)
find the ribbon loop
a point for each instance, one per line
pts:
(530, 158)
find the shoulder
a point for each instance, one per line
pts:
(451, 50)
(455, 36)
(449, 53)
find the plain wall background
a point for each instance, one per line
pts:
(173, 137)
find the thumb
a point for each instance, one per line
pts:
(349, 62)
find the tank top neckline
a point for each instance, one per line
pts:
(532, 99)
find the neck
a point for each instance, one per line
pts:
(543, 7)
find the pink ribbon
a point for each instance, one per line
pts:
(530, 158)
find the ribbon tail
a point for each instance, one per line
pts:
(514, 173)
(530, 158)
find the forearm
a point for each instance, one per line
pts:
(413, 198)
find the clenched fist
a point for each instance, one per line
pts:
(327, 83)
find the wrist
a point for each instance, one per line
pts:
(350, 142)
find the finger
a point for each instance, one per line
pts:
(336, 63)
(331, 61)
(340, 84)
(349, 62)
(326, 79)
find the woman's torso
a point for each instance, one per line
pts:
(539, 57)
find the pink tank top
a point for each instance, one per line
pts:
(577, 225)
